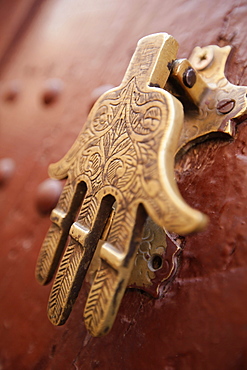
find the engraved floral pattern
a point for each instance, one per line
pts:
(119, 156)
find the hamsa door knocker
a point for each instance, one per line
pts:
(120, 171)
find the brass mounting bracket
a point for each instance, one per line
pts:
(121, 203)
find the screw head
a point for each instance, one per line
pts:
(202, 57)
(225, 106)
(189, 77)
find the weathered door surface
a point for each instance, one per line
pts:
(54, 54)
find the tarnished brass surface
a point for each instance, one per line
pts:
(125, 156)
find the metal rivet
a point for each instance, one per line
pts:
(47, 195)
(96, 93)
(225, 106)
(12, 91)
(7, 169)
(52, 89)
(189, 77)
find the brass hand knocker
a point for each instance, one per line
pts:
(125, 156)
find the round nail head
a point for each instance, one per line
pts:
(189, 77)
(47, 195)
(52, 89)
(7, 169)
(12, 91)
